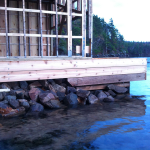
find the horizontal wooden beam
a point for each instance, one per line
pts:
(101, 87)
(106, 79)
(8, 76)
(101, 64)
(4, 90)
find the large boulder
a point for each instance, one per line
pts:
(36, 107)
(49, 100)
(61, 96)
(13, 103)
(20, 93)
(34, 93)
(1, 96)
(71, 89)
(92, 99)
(83, 93)
(23, 85)
(117, 89)
(35, 85)
(71, 99)
(101, 95)
(59, 88)
(6, 111)
(24, 103)
(109, 99)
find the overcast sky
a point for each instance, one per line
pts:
(131, 17)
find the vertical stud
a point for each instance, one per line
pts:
(56, 28)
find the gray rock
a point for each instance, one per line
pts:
(44, 83)
(5, 101)
(32, 102)
(61, 96)
(71, 99)
(14, 85)
(111, 93)
(36, 107)
(10, 97)
(117, 89)
(109, 99)
(58, 81)
(54, 104)
(97, 92)
(107, 93)
(82, 100)
(20, 93)
(59, 88)
(23, 85)
(120, 96)
(34, 93)
(51, 81)
(24, 103)
(35, 85)
(83, 93)
(71, 89)
(13, 103)
(5, 86)
(101, 95)
(92, 99)
(1, 96)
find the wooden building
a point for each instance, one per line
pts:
(30, 32)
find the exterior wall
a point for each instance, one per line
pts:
(27, 28)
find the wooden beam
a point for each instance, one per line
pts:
(4, 90)
(33, 64)
(56, 29)
(101, 87)
(106, 79)
(68, 73)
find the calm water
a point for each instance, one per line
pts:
(121, 126)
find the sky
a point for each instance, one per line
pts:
(131, 17)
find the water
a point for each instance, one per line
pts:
(121, 126)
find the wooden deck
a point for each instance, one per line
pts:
(78, 71)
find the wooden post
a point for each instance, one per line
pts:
(24, 27)
(69, 20)
(56, 28)
(47, 32)
(41, 28)
(18, 29)
(83, 27)
(90, 25)
(6, 28)
(38, 22)
(29, 28)
(78, 5)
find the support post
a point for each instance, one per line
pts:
(38, 22)
(6, 28)
(56, 28)
(47, 32)
(41, 49)
(78, 5)
(83, 27)
(24, 27)
(69, 21)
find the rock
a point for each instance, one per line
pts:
(64, 85)
(59, 88)
(109, 99)
(58, 81)
(34, 93)
(12, 93)
(14, 85)
(5, 86)
(20, 93)
(71, 99)
(5, 101)
(120, 96)
(23, 85)
(101, 95)
(107, 93)
(92, 99)
(36, 107)
(97, 92)
(26, 95)
(50, 87)
(51, 81)
(83, 93)
(44, 83)
(111, 93)
(7, 111)
(24, 103)
(1, 96)
(45, 97)
(117, 89)
(82, 100)
(56, 96)
(54, 104)
(71, 89)
(35, 85)
(13, 103)
(32, 102)
(10, 97)
(61, 96)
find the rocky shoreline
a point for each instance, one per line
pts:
(36, 96)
